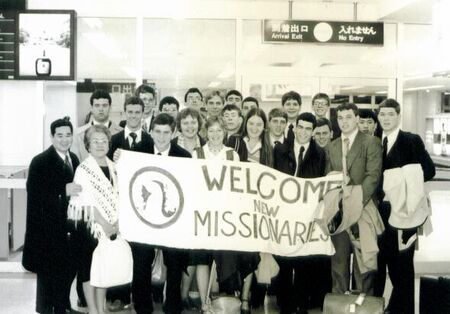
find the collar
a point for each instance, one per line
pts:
(297, 148)
(274, 139)
(164, 153)
(107, 123)
(351, 138)
(257, 147)
(63, 156)
(138, 132)
(181, 140)
(391, 137)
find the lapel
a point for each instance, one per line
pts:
(58, 163)
(353, 153)
(125, 144)
(396, 145)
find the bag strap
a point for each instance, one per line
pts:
(200, 152)
(230, 155)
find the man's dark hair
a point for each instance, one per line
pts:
(133, 100)
(168, 100)
(233, 92)
(145, 89)
(321, 96)
(390, 103)
(192, 90)
(308, 117)
(278, 113)
(231, 107)
(100, 93)
(324, 121)
(59, 123)
(250, 99)
(348, 106)
(291, 96)
(368, 114)
(164, 119)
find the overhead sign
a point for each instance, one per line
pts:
(293, 31)
(228, 205)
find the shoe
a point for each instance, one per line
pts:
(245, 307)
(116, 306)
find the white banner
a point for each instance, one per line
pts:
(219, 205)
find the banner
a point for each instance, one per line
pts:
(219, 205)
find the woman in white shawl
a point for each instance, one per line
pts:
(94, 210)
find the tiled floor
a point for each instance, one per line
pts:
(18, 293)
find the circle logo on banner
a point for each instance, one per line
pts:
(323, 32)
(156, 197)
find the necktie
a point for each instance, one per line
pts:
(346, 143)
(133, 137)
(67, 164)
(290, 133)
(300, 160)
(385, 140)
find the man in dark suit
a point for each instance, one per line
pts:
(362, 156)
(399, 149)
(291, 102)
(301, 158)
(321, 107)
(47, 249)
(148, 96)
(135, 139)
(175, 260)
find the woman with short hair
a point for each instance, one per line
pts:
(95, 208)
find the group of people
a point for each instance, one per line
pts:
(73, 197)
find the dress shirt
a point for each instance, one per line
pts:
(138, 133)
(273, 140)
(351, 139)
(391, 138)
(297, 153)
(163, 153)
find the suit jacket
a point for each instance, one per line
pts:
(175, 151)
(313, 164)
(363, 162)
(78, 139)
(407, 149)
(119, 141)
(47, 231)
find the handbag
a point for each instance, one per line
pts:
(267, 269)
(221, 304)
(159, 270)
(112, 263)
(337, 303)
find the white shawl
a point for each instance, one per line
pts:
(97, 193)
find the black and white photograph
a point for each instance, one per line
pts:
(225, 157)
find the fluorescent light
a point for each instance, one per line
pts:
(214, 84)
(423, 88)
(382, 92)
(352, 87)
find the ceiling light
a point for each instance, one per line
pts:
(423, 88)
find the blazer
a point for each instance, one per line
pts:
(409, 149)
(313, 164)
(174, 151)
(119, 141)
(363, 162)
(78, 139)
(47, 231)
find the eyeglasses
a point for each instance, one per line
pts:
(97, 142)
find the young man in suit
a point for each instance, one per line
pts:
(249, 103)
(367, 121)
(176, 260)
(48, 247)
(234, 97)
(323, 133)
(134, 138)
(321, 107)
(100, 107)
(148, 96)
(362, 154)
(277, 124)
(291, 102)
(399, 149)
(194, 99)
(301, 158)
